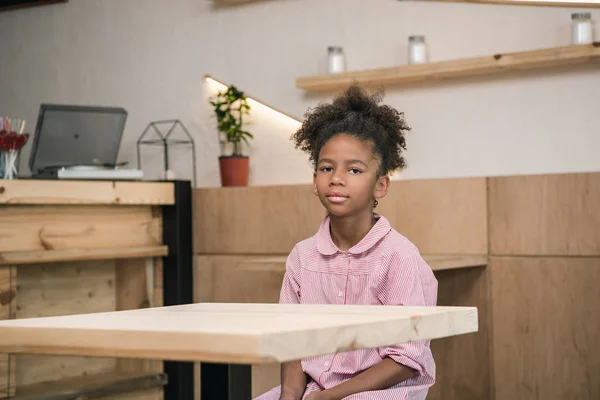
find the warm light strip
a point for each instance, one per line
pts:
(550, 3)
(251, 100)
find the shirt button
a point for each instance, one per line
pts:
(340, 293)
(326, 363)
(344, 255)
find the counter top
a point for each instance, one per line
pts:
(32, 191)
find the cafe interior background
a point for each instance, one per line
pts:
(163, 60)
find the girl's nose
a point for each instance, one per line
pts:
(336, 180)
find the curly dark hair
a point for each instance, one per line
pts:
(357, 113)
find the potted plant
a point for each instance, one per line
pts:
(230, 107)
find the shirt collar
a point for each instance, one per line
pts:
(326, 246)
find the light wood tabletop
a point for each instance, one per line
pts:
(233, 333)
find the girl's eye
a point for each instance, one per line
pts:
(355, 171)
(326, 169)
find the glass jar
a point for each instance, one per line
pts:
(417, 50)
(582, 28)
(336, 60)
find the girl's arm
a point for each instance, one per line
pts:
(380, 376)
(293, 381)
(293, 378)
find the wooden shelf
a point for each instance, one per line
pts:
(277, 263)
(46, 256)
(445, 262)
(91, 387)
(57, 192)
(493, 64)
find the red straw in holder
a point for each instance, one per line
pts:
(12, 140)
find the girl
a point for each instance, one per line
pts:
(356, 257)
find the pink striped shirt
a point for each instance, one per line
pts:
(383, 268)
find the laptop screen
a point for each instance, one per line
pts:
(76, 136)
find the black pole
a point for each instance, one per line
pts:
(178, 285)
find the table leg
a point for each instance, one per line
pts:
(225, 381)
(178, 282)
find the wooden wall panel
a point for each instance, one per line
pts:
(445, 216)
(546, 327)
(265, 377)
(464, 362)
(238, 279)
(254, 219)
(440, 216)
(82, 227)
(545, 214)
(63, 289)
(150, 394)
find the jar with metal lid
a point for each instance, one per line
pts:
(582, 28)
(336, 60)
(417, 50)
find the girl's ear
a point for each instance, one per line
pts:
(315, 184)
(381, 187)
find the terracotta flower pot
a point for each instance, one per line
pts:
(234, 170)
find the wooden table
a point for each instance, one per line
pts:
(233, 333)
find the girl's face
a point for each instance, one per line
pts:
(346, 177)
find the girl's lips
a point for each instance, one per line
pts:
(337, 199)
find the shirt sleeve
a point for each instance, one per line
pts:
(408, 280)
(290, 287)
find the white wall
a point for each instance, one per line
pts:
(150, 56)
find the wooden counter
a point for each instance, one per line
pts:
(70, 247)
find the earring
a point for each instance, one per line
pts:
(375, 202)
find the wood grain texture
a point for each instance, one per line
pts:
(158, 283)
(250, 220)
(112, 385)
(63, 289)
(238, 279)
(265, 377)
(47, 256)
(468, 67)
(441, 216)
(7, 291)
(7, 300)
(47, 192)
(132, 292)
(546, 327)
(83, 227)
(243, 333)
(545, 215)
(464, 362)
(131, 289)
(150, 394)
